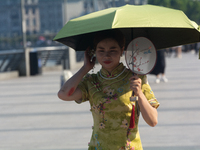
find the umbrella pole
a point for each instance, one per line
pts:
(133, 98)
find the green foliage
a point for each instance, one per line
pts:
(190, 7)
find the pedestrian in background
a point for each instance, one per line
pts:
(159, 69)
(179, 51)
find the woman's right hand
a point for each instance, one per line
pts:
(69, 90)
(89, 60)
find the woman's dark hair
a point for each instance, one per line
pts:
(115, 34)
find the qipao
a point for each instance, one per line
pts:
(109, 98)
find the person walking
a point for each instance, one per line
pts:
(159, 69)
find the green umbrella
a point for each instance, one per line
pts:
(165, 27)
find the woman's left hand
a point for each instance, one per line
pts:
(135, 85)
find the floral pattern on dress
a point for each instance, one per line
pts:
(97, 144)
(95, 108)
(110, 95)
(128, 146)
(124, 124)
(101, 125)
(99, 109)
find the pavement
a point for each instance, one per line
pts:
(33, 118)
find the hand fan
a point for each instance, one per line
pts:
(140, 58)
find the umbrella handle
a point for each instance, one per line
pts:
(133, 98)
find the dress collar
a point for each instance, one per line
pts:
(114, 74)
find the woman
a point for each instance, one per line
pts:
(109, 92)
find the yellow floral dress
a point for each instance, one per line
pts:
(109, 98)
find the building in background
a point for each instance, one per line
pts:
(50, 15)
(10, 18)
(32, 17)
(44, 18)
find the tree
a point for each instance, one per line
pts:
(190, 7)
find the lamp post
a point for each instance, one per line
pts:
(26, 66)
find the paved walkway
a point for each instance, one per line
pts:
(33, 118)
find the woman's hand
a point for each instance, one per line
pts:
(135, 85)
(149, 113)
(89, 60)
(69, 90)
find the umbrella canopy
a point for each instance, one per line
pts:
(165, 27)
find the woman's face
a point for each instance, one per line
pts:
(108, 53)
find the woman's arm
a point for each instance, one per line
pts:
(149, 113)
(69, 90)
